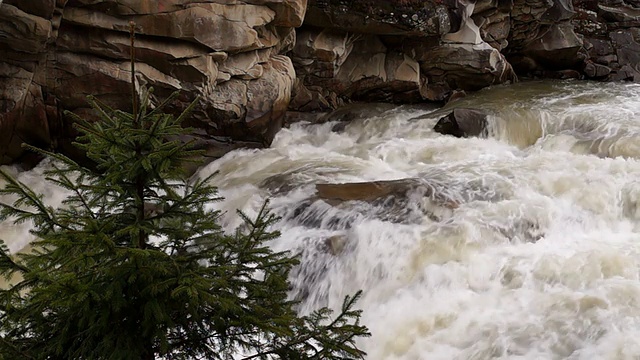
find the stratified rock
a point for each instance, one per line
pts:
(466, 66)
(337, 206)
(542, 30)
(213, 148)
(227, 53)
(626, 47)
(358, 67)
(347, 53)
(462, 122)
(219, 27)
(403, 18)
(22, 31)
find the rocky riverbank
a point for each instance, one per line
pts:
(253, 61)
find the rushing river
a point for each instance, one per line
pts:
(538, 259)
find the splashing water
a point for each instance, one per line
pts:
(526, 245)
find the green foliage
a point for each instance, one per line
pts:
(135, 266)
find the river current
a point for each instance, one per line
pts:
(538, 259)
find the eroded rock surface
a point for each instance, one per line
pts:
(230, 54)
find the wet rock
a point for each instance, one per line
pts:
(469, 32)
(626, 73)
(406, 58)
(599, 47)
(280, 183)
(522, 231)
(626, 47)
(23, 114)
(494, 26)
(543, 31)
(337, 207)
(376, 191)
(336, 244)
(562, 74)
(463, 122)
(596, 70)
(456, 95)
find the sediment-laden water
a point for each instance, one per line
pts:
(522, 245)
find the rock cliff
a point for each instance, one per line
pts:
(250, 61)
(230, 53)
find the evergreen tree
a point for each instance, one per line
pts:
(134, 265)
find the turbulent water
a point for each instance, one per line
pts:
(539, 258)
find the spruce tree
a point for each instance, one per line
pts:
(134, 264)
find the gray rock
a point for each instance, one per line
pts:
(463, 122)
(596, 70)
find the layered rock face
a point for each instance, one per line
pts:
(250, 61)
(227, 52)
(612, 38)
(394, 51)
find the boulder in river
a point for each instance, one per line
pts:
(335, 194)
(463, 122)
(394, 198)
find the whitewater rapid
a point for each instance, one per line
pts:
(540, 259)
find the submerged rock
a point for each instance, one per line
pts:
(463, 122)
(336, 244)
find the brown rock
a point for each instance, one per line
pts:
(596, 70)
(463, 122)
(219, 27)
(288, 13)
(336, 244)
(626, 48)
(336, 194)
(543, 31)
(22, 31)
(465, 66)
(253, 109)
